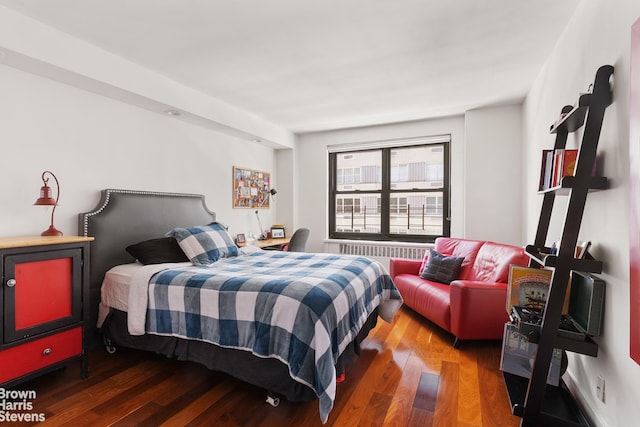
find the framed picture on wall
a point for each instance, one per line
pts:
(251, 188)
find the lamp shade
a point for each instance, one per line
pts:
(45, 198)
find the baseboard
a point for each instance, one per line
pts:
(594, 418)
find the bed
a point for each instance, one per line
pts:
(284, 321)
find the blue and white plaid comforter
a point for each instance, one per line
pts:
(303, 309)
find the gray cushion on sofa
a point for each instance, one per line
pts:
(442, 268)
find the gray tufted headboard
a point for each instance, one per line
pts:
(124, 217)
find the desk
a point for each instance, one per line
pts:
(269, 243)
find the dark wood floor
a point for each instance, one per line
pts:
(408, 375)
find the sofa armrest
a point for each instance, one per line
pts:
(478, 309)
(404, 266)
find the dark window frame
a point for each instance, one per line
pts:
(386, 193)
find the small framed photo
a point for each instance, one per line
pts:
(240, 238)
(277, 233)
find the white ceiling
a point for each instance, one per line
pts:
(310, 65)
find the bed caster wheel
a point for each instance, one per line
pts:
(108, 345)
(273, 400)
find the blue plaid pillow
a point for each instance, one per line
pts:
(205, 244)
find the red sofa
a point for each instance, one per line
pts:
(471, 307)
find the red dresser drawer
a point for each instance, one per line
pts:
(37, 354)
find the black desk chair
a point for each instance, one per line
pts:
(298, 241)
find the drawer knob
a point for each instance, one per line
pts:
(11, 283)
(46, 351)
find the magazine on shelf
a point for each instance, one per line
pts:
(518, 356)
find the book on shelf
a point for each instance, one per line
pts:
(546, 169)
(555, 165)
(566, 164)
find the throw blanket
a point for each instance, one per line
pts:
(303, 309)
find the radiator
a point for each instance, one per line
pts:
(381, 252)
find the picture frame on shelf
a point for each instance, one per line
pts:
(240, 238)
(277, 233)
(581, 248)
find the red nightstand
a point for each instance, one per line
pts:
(44, 297)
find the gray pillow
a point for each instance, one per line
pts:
(441, 268)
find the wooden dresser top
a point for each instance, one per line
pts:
(22, 241)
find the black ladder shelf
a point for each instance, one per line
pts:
(536, 402)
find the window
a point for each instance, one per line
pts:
(395, 190)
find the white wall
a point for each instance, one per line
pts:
(493, 176)
(312, 161)
(598, 34)
(284, 201)
(92, 142)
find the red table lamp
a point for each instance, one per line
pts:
(45, 199)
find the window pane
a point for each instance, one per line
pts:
(359, 171)
(417, 167)
(417, 213)
(358, 214)
(412, 180)
(348, 175)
